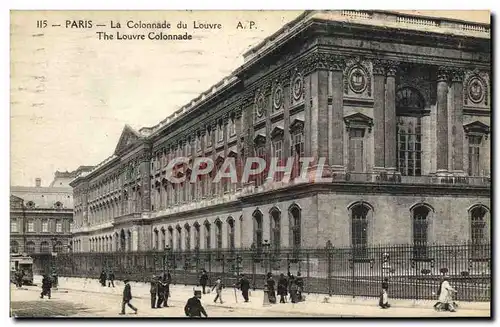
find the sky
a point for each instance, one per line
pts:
(72, 94)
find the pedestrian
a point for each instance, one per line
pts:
(204, 280)
(127, 297)
(271, 288)
(300, 287)
(167, 279)
(19, 278)
(445, 293)
(193, 307)
(102, 278)
(384, 296)
(111, 278)
(282, 288)
(244, 286)
(153, 290)
(218, 290)
(46, 287)
(161, 293)
(293, 289)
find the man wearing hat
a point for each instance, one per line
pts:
(153, 291)
(193, 308)
(127, 296)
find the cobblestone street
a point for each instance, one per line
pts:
(87, 299)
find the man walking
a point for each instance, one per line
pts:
(282, 288)
(111, 278)
(204, 280)
(218, 290)
(153, 290)
(193, 307)
(46, 286)
(161, 293)
(244, 286)
(102, 278)
(127, 297)
(167, 279)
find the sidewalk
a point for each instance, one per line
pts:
(346, 306)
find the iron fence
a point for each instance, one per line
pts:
(412, 274)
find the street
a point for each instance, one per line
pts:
(26, 302)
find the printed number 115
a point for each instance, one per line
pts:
(41, 23)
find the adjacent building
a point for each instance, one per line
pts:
(41, 216)
(399, 105)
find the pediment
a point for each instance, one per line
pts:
(259, 139)
(128, 137)
(277, 131)
(358, 120)
(477, 128)
(297, 124)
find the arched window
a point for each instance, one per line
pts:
(230, 233)
(30, 247)
(156, 244)
(478, 232)
(420, 231)
(275, 220)
(129, 240)
(359, 229)
(44, 247)
(196, 235)
(170, 237)
(163, 239)
(123, 241)
(294, 213)
(14, 247)
(257, 229)
(59, 248)
(179, 238)
(409, 108)
(187, 230)
(218, 234)
(208, 240)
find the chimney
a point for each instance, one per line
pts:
(38, 182)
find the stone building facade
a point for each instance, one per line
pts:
(398, 105)
(41, 217)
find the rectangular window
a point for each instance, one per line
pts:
(278, 155)
(356, 150)
(13, 226)
(208, 138)
(260, 178)
(208, 240)
(198, 143)
(31, 226)
(45, 226)
(474, 146)
(232, 127)
(221, 133)
(197, 236)
(409, 154)
(58, 226)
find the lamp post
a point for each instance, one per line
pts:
(70, 251)
(54, 266)
(166, 258)
(266, 246)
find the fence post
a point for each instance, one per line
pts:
(329, 259)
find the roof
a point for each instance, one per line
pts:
(44, 197)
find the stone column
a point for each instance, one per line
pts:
(457, 130)
(442, 121)
(390, 117)
(319, 114)
(203, 178)
(145, 179)
(337, 122)
(239, 132)
(379, 114)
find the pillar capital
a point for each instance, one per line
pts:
(443, 74)
(391, 68)
(457, 75)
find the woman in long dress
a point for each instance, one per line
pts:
(445, 300)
